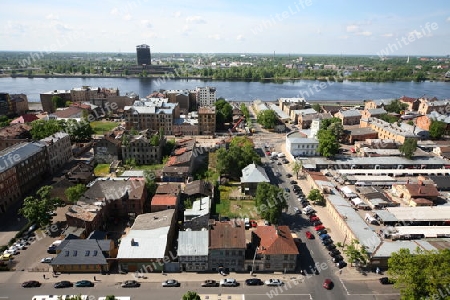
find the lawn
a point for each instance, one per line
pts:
(235, 208)
(100, 127)
(101, 170)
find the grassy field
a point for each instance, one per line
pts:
(100, 127)
(101, 170)
(235, 208)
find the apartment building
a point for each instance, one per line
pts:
(207, 120)
(181, 97)
(426, 107)
(19, 103)
(86, 93)
(388, 131)
(46, 99)
(14, 134)
(206, 96)
(145, 148)
(21, 167)
(59, 150)
(289, 104)
(349, 117)
(153, 114)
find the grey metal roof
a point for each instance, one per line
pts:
(82, 252)
(385, 216)
(387, 248)
(421, 213)
(307, 111)
(200, 207)
(363, 232)
(350, 113)
(193, 243)
(136, 173)
(281, 114)
(378, 160)
(139, 244)
(153, 220)
(377, 111)
(254, 173)
(18, 153)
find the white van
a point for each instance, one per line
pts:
(274, 154)
(281, 155)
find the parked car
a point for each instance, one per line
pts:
(337, 258)
(63, 284)
(330, 247)
(20, 246)
(323, 231)
(274, 282)
(319, 227)
(51, 250)
(253, 223)
(317, 223)
(327, 242)
(287, 190)
(288, 175)
(328, 284)
(309, 235)
(314, 218)
(297, 211)
(12, 251)
(293, 182)
(6, 257)
(266, 222)
(47, 260)
(84, 283)
(324, 236)
(254, 281)
(341, 264)
(130, 283)
(171, 283)
(277, 174)
(228, 282)
(334, 252)
(31, 283)
(386, 280)
(305, 204)
(210, 283)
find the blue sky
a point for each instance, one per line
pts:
(228, 26)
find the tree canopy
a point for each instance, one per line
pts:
(224, 112)
(420, 275)
(395, 106)
(437, 129)
(328, 143)
(190, 295)
(315, 196)
(270, 201)
(356, 253)
(78, 131)
(267, 118)
(37, 208)
(237, 157)
(74, 193)
(408, 148)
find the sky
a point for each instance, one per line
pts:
(343, 27)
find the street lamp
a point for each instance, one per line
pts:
(254, 257)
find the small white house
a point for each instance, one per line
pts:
(297, 145)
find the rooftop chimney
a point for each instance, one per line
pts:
(132, 242)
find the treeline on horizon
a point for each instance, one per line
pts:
(260, 67)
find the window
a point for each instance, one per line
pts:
(75, 252)
(66, 253)
(87, 253)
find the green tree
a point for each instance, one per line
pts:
(58, 102)
(224, 112)
(267, 118)
(395, 106)
(79, 131)
(408, 148)
(191, 296)
(315, 196)
(270, 201)
(328, 143)
(237, 157)
(297, 166)
(245, 111)
(110, 297)
(355, 253)
(154, 140)
(150, 182)
(421, 274)
(437, 129)
(36, 208)
(43, 128)
(388, 118)
(74, 193)
(316, 107)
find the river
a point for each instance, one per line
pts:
(237, 90)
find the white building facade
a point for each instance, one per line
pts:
(297, 145)
(206, 96)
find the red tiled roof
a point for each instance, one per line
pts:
(422, 190)
(28, 118)
(180, 151)
(162, 199)
(275, 241)
(68, 112)
(225, 235)
(407, 99)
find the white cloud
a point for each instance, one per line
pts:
(214, 36)
(388, 35)
(195, 20)
(352, 28)
(344, 37)
(240, 37)
(127, 17)
(150, 35)
(114, 11)
(146, 24)
(52, 17)
(319, 31)
(448, 19)
(60, 26)
(415, 33)
(364, 33)
(177, 14)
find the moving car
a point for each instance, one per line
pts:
(254, 281)
(84, 283)
(228, 282)
(210, 283)
(309, 235)
(130, 283)
(274, 282)
(31, 283)
(170, 283)
(328, 284)
(47, 260)
(63, 284)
